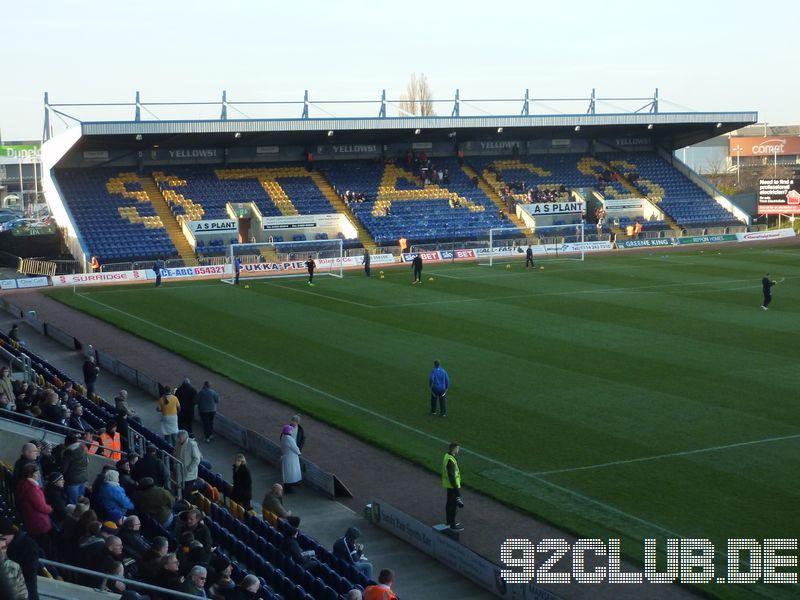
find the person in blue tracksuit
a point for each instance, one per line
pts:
(439, 381)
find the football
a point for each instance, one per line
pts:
(430, 278)
(508, 266)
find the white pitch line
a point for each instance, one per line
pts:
(615, 290)
(394, 422)
(631, 461)
(310, 293)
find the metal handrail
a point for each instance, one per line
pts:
(24, 420)
(126, 581)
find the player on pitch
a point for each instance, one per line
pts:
(766, 285)
(311, 265)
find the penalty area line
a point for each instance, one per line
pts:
(396, 423)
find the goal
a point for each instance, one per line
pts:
(287, 259)
(564, 242)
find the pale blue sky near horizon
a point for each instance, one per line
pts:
(701, 55)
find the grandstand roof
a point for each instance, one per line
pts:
(672, 130)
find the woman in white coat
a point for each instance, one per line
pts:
(290, 460)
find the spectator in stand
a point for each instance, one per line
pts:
(91, 546)
(290, 547)
(47, 463)
(242, 491)
(123, 427)
(150, 465)
(127, 482)
(168, 575)
(247, 589)
(155, 501)
(13, 334)
(169, 406)
(130, 534)
(6, 385)
(12, 584)
(67, 540)
(111, 442)
(56, 497)
(195, 554)
(30, 455)
(185, 543)
(207, 403)
(195, 582)
(32, 507)
(150, 562)
(346, 549)
(298, 432)
(90, 373)
(91, 442)
(51, 409)
(192, 522)
(112, 552)
(273, 502)
(23, 550)
(382, 591)
(219, 583)
(117, 569)
(186, 395)
(290, 460)
(111, 501)
(76, 420)
(121, 404)
(188, 453)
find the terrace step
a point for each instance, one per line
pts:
(185, 250)
(489, 188)
(341, 207)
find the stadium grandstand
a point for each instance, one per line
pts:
(132, 192)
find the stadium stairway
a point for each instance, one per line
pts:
(491, 193)
(163, 210)
(676, 229)
(327, 189)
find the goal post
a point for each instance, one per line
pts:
(262, 260)
(563, 242)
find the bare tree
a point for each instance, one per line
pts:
(417, 99)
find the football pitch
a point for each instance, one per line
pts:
(628, 396)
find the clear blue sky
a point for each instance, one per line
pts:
(701, 55)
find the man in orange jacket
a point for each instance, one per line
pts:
(382, 591)
(112, 442)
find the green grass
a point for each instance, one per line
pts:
(580, 364)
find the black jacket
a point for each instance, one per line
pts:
(57, 498)
(242, 486)
(150, 466)
(134, 543)
(90, 372)
(25, 552)
(186, 394)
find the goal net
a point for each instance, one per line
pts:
(286, 259)
(563, 242)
